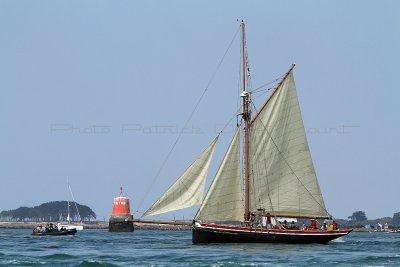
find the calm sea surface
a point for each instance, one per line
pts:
(174, 248)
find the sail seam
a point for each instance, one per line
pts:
(287, 163)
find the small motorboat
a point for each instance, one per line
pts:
(50, 230)
(63, 232)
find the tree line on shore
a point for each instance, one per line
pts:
(49, 212)
(359, 220)
(58, 211)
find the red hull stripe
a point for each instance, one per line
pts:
(270, 231)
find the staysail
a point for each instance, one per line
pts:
(188, 189)
(283, 179)
(224, 201)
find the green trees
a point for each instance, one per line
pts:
(396, 218)
(49, 212)
(358, 216)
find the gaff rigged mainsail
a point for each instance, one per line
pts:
(188, 189)
(283, 179)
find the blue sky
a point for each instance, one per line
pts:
(96, 90)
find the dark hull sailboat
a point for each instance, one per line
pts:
(270, 176)
(213, 233)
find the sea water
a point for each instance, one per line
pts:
(174, 248)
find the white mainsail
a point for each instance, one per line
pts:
(283, 179)
(188, 189)
(223, 201)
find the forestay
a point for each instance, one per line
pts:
(283, 179)
(223, 201)
(188, 189)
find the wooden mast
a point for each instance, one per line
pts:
(246, 118)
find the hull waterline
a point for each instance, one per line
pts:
(211, 233)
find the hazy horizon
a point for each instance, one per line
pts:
(96, 92)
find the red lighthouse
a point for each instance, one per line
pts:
(121, 212)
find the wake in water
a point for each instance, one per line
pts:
(339, 240)
(174, 248)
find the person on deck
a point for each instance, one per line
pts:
(324, 227)
(313, 224)
(252, 219)
(269, 224)
(335, 227)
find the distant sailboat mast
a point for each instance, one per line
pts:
(70, 199)
(76, 205)
(68, 214)
(68, 217)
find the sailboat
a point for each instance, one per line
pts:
(279, 178)
(70, 226)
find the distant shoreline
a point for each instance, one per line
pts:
(104, 225)
(92, 225)
(31, 225)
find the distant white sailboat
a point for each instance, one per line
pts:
(70, 226)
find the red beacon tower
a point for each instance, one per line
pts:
(121, 205)
(121, 212)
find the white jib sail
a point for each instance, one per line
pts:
(223, 201)
(283, 178)
(188, 189)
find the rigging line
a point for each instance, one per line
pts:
(189, 118)
(254, 106)
(187, 188)
(230, 120)
(252, 154)
(290, 167)
(268, 182)
(225, 126)
(238, 105)
(248, 75)
(213, 180)
(261, 91)
(269, 195)
(262, 86)
(159, 200)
